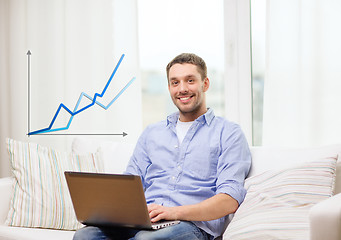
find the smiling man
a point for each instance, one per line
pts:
(187, 88)
(192, 165)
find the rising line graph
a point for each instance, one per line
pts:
(77, 111)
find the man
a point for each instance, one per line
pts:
(192, 165)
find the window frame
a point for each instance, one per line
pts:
(238, 68)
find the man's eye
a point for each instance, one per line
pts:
(175, 82)
(190, 80)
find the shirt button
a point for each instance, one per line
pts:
(176, 146)
(173, 178)
(179, 167)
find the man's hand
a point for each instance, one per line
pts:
(158, 212)
(212, 208)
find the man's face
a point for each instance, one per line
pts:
(187, 90)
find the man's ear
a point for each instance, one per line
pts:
(206, 84)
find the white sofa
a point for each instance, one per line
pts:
(325, 217)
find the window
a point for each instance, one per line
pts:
(168, 28)
(258, 20)
(296, 72)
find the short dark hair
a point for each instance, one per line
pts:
(192, 59)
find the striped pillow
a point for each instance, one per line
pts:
(41, 197)
(277, 203)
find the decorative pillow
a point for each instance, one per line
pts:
(41, 196)
(277, 202)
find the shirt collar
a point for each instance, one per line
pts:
(205, 118)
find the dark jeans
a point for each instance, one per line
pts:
(181, 231)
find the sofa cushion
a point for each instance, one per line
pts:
(16, 233)
(271, 158)
(277, 202)
(41, 197)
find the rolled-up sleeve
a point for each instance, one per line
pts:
(234, 163)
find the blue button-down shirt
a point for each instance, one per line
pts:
(213, 158)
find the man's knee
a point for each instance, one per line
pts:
(87, 233)
(165, 233)
(184, 230)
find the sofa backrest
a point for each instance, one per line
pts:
(116, 156)
(5, 199)
(272, 158)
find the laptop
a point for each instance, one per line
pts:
(101, 199)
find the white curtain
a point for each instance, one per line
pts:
(302, 90)
(75, 45)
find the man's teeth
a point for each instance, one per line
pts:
(184, 98)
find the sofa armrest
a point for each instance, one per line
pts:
(325, 219)
(5, 199)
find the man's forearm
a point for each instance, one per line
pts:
(215, 207)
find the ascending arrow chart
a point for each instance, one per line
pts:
(94, 100)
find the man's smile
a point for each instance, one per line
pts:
(185, 99)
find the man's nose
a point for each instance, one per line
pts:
(183, 88)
